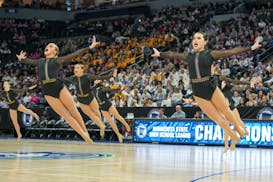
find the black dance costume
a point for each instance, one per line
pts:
(101, 96)
(10, 98)
(199, 64)
(228, 87)
(49, 69)
(85, 94)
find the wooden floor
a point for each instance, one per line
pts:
(131, 163)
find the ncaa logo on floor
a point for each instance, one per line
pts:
(49, 155)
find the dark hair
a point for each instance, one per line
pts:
(204, 35)
(207, 46)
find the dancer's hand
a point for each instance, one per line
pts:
(257, 44)
(32, 87)
(115, 72)
(22, 55)
(94, 43)
(156, 53)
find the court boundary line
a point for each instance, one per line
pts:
(221, 173)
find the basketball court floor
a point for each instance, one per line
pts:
(70, 161)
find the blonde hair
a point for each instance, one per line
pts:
(56, 49)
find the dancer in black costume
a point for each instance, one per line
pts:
(108, 109)
(88, 102)
(208, 96)
(225, 84)
(9, 95)
(56, 94)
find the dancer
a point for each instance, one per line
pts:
(107, 109)
(88, 102)
(208, 96)
(56, 94)
(10, 97)
(226, 87)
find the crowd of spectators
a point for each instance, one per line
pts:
(150, 82)
(64, 5)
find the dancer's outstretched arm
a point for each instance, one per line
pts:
(70, 57)
(107, 89)
(22, 57)
(225, 53)
(237, 82)
(26, 89)
(103, 77)
(169, 54)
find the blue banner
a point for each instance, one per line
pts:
(199, 132)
